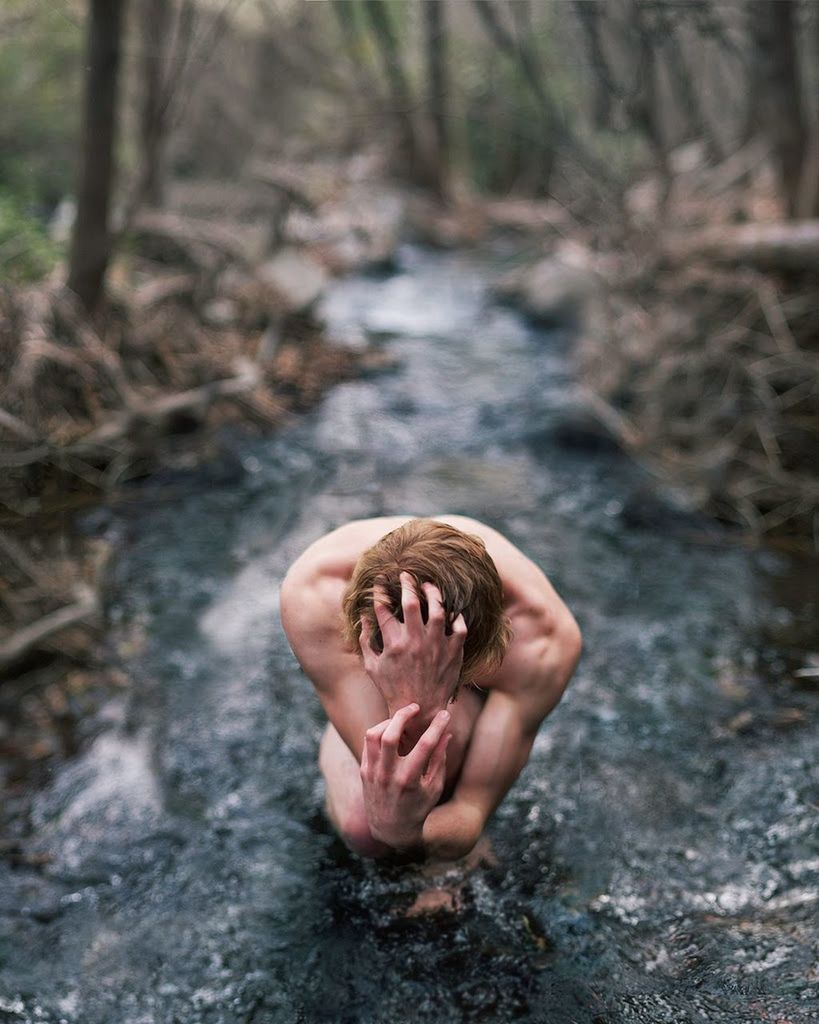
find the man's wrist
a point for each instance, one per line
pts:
(395, 704)
(402, 842)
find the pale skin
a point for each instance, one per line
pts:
(408, 772)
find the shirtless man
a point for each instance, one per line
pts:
(396, 621)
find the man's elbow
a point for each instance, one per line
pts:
(563, 654)
(294, 599)
(572, 642)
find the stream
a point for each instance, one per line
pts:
(658, 859)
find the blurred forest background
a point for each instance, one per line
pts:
(180, 178)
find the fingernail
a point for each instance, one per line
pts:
(445, 716)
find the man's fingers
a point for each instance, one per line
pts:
(411, 605)
(459, 630)
(372, 742)
(437, 761)
(387, 622)
(436, 616)
(365, 641)
(422, 751)
(394, 731)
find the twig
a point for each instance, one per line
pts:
(769, 301)
(16, 426)
(19, 644)
(21, 559)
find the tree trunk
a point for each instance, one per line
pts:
(367, 89)
(400, 95)
(781, 111)
(589, 15)
(790, 245)
(436, 30)
(646, 109)
(156, 33)
(91, 240)
(520, 51)
(684, 86)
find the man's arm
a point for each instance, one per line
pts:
(502, 739)
(309, 606)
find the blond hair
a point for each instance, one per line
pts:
(458, 564)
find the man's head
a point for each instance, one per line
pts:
(458, 564)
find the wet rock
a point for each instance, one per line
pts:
(358, 232)
(62, 220)
(555, 290)
(447, 225)
(785, 718)
(221, 313)
(652, 508)
(644, 200)
(44, 913)
(740, 723)
(294, 279)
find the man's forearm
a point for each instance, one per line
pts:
(448, 833)
(451, 830)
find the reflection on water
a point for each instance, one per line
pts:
(658, 857)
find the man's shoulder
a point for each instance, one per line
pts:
(335, 553)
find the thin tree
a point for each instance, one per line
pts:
(156, 16)
(436, 38)
(91, 238)
(400, 92)
(521, 51)
(605, 90)
(776, 60)
(683, 84)
(366, 88)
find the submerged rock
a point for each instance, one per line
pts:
(578, 429)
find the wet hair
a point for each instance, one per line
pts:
(458, 564)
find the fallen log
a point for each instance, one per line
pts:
(25, 640)
(203, 242)
(162, 289)
(288, 182)
(151, 415)
(791, 245)
(141, 418)
(16, 426)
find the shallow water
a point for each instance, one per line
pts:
(658, 858)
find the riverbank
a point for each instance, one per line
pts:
(211, 326)
(698, 337)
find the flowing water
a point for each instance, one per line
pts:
(658, 858)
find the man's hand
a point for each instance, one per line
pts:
(399, 792)
(420, 661)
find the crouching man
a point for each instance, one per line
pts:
(436, 649)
